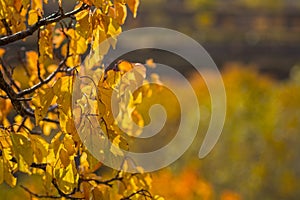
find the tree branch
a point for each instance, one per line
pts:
(12, 96)
(40, 84)
(55, 17)
(107, 182)
(8, 74)
(15, 100)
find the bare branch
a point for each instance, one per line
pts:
(8, 74)
(12, 96)
(55, 17)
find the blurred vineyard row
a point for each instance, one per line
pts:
(258, 153)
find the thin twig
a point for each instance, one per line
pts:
(4, 96)
(107, 182)
(6, 26)
(143, 192)
(39, 55)
(39, 195)
(22, 124)
(61, 193)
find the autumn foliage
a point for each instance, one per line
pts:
(37, 131)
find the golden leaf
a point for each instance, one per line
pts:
(78, 43)
(37, 4)
(120, 12)
(8, 177)
(133, 6)
(42, 101)
(64, 157)
(45, 44)
(32, 17)
(124, 66)
(22, 150)
(67, 177)
(115, 149)
(2, 52)
(39, 147)
(83, 23)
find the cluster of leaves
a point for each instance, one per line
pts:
(37, 130)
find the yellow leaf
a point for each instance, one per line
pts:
(84, 164)
(9, 178)
(63, 89)
(39, 147)
(120, 12)
(115, 148)
(25, 3)
(22, 150)
(113, 79)
(67, 177)
(6, 168)
(78, 43)
(77, 195)
(83, 23)
(157, 197)
(69, 144)
(2, 51)
(32, 57)
(99, 38)
(124, 66)
(45, 44)
(114, 29)
(37, 4)
(17, 4)
(42, 101)
(32, 17)
(48, 175)
(97, 194)
(73, 60)
(64, 157)
(133, 6)
(54, 148)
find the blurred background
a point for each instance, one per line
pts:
(256, 45)
(261, 33)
